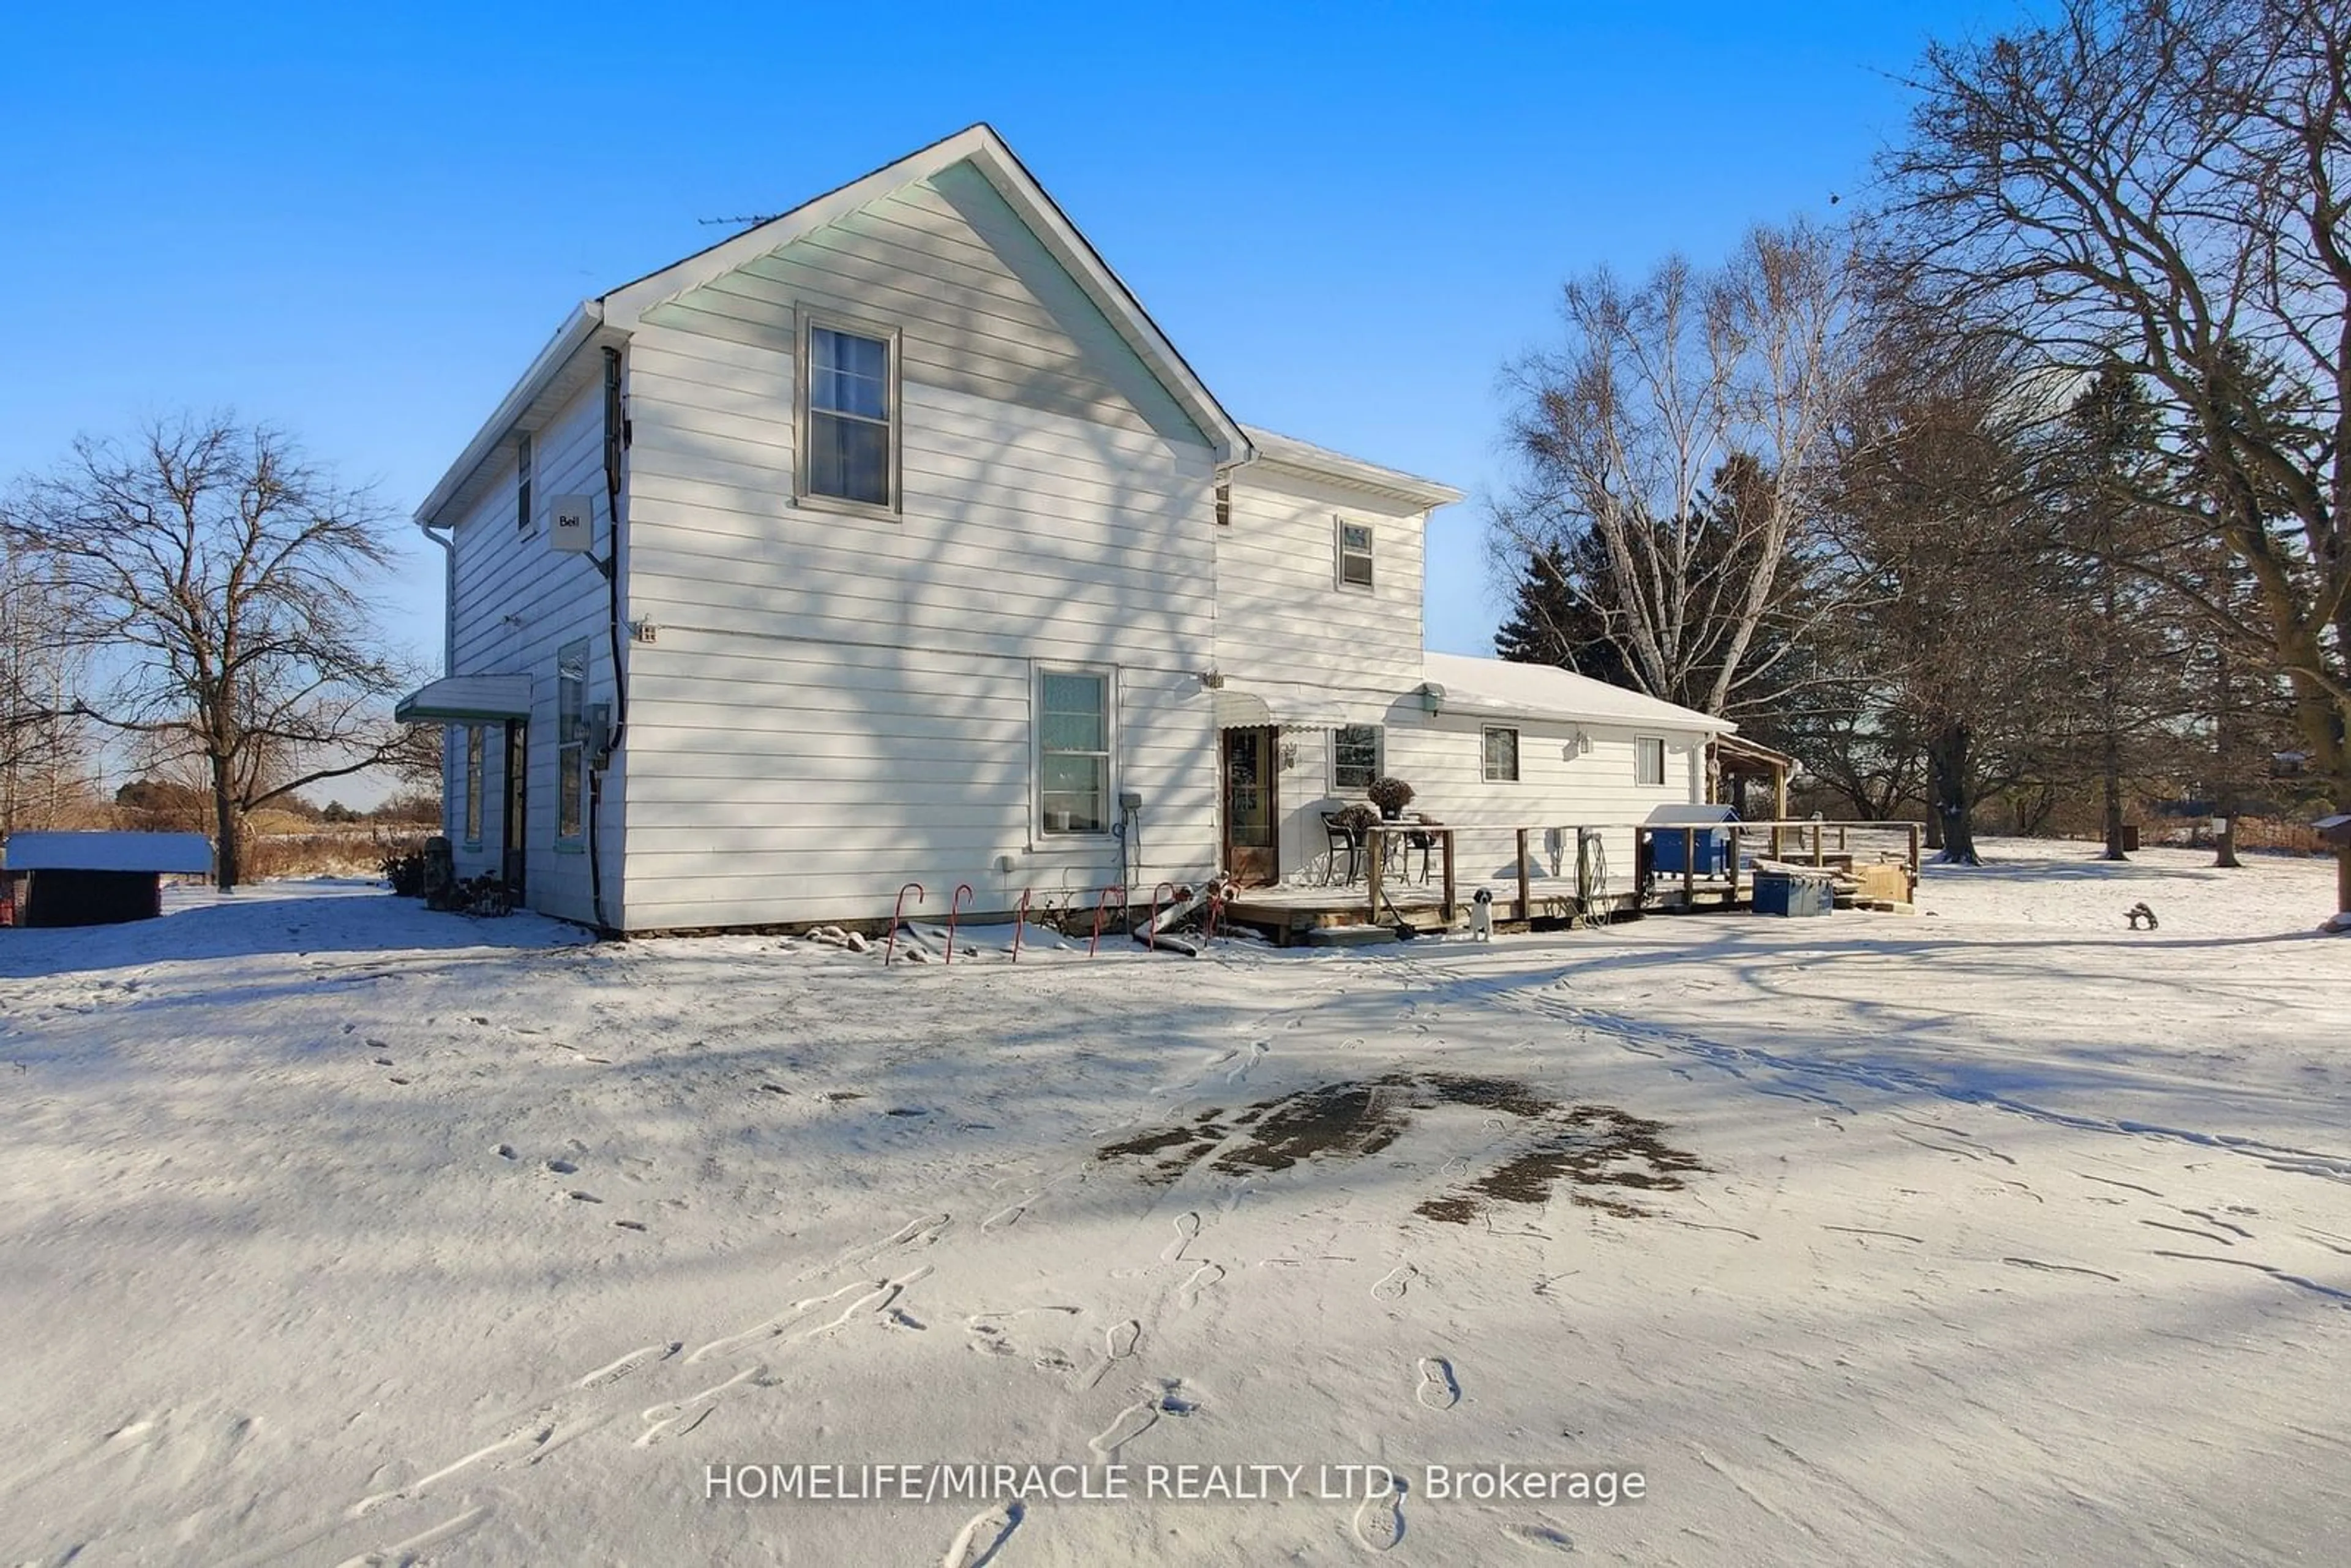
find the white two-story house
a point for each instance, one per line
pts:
(890, 540)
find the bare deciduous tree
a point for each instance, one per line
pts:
(43, 751)
(217, 582)
(2158, 187)
(1673, 451)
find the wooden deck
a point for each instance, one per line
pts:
(1355, 911)
(1292, 915)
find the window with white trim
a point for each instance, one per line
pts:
(1356, 555)
(1074, 751)
(525, 462)
(1501, 748)
(1649, 759)
(570, 743)
(1354, 756)
(849, 431)
(473, 784)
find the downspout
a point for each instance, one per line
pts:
(1222, 479)
(448, 544)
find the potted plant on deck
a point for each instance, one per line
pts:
(1391, 795)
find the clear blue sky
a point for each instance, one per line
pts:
(360, 223)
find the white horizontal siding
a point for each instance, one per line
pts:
(1281, 616)
(1443, 759)
(830, 776)
(835, 704)
(517, 602)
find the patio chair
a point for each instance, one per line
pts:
(1342, 840)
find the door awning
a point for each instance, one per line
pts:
(466, 699)
(1296, 708)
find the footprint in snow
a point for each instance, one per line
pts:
(1439, 1389)
(1187, 1230)
(1393, 1284)
(1379, 1522)
(979, 1540)
(562, 1167)
(1132, 1423)
(1541, 1535)
(1205, 1275)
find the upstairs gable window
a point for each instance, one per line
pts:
(524, 464)
(1356, 556)
(851, 430)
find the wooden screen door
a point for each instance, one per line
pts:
(518, 797)
(1251, 811)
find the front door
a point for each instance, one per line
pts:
(517, 788)
(1251, 811)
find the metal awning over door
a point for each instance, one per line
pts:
(466, 699)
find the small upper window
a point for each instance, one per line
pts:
(523, 463)
(1649, 759)
(1502, 754)
(1355, 554)
(1356, 757)
(850, 418)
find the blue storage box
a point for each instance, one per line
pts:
(1777, 893)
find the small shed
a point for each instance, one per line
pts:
(97, 879)
(1709, 847)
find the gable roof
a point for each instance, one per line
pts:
(611, 315)
(1505, 689)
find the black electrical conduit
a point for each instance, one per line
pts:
(615, 440)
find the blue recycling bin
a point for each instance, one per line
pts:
(1778, 892)
(1709, 844)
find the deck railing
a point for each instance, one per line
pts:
(1808, 840)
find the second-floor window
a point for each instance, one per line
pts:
(1356, 555)
(523, 456)
(851, 422)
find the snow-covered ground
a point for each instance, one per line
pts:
(336, 1230)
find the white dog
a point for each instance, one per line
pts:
(1482, 915)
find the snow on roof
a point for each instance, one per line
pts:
(185, 853)
(1546, 691)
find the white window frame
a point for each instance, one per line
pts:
(475, 745)
(1108, 676)
(1485, 754)
(1642, 750)
(526, 470)
(1340, 552)
(1379, 757)
(571, 746)
(805, 411)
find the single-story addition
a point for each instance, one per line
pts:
(890, 540)
(97, 878)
